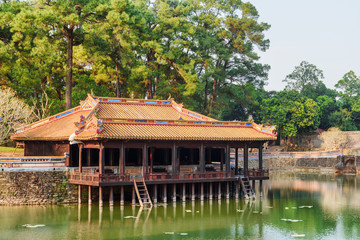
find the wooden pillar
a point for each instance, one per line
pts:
(89, 196)
(219, 190)
(246, 159)
(202, 191)
(155, 194)
(111, 197)
(79, 194)
(88, 157)
(261, 188)
(202, 158)
(122, 159)
(174, 159)
(237, 190)
(260, 157)
(227, 158)
(164, 193)
(100, 196)
(133, 200)
(122, 196)
(222, 159)
(210, 191)
(184, 192)
(151, 159)
(101, 159)
(80, 157)
(236, 161)
(174, 193)
(193, 192)
(145, 160)
(227, 190)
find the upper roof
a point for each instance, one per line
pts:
(122, 118)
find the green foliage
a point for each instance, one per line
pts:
(291, 113)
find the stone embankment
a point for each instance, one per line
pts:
(36, 187)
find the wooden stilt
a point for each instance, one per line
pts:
(89, 196)
(193, 192)
(133, 200)
(174, 193)
(155, 194)
(202, 191)
(236, 190)
(219, 190)
(261, 188)
(100, 196)
(79, 194)
(111, 197)
(164, 193)
(184, 192)
(122, 196)
(210, 191)
(227, 190)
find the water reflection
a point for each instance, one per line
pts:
(334, 213)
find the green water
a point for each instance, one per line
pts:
(334, 213)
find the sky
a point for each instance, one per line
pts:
(325, 33)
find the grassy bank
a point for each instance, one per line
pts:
(11, 150)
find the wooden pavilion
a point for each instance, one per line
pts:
(144, 144)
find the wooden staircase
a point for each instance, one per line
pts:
(142, 193)
(246, 187)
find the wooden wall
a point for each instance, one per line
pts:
(46, 148)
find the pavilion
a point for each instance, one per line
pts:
(116, 142)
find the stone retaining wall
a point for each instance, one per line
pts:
(26, 188)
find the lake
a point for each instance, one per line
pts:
(294, 206)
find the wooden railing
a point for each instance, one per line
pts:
(13, 163)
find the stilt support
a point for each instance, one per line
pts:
(184, 192)
(210, 191)
(202, 191)
(193, 192)
(122, 196)
(155, 193)
(174, 193)
(111, 197)
(164, 193)
(219, 190)
(100, 196)
(79, 194)
(89, 196)
(227, 190)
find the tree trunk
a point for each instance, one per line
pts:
(69, 66)
(213, 96)
(117, 79)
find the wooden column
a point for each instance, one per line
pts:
(202, 191)
(122, 196)
(79, 194)
(236, 161)
(111, 197)
(164, 193)
(88, 157)
(145, 160)
(202, 158)
(151, 159)
(221, 159)
(227, 190)
(133, 201)
(246, 159)
(80, 157)
(184, 192)
(100, 196)
(122, 159)
(155, 194)
(89, 196)
(101, 159)
(237, 190)
(174, 193)
(227, 158)
(174, 159)
(260, 157)
(219, 190)
(193, 192)
(210, 191)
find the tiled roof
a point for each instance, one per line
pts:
(121, 118)
(52, 128)
(143, 131)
